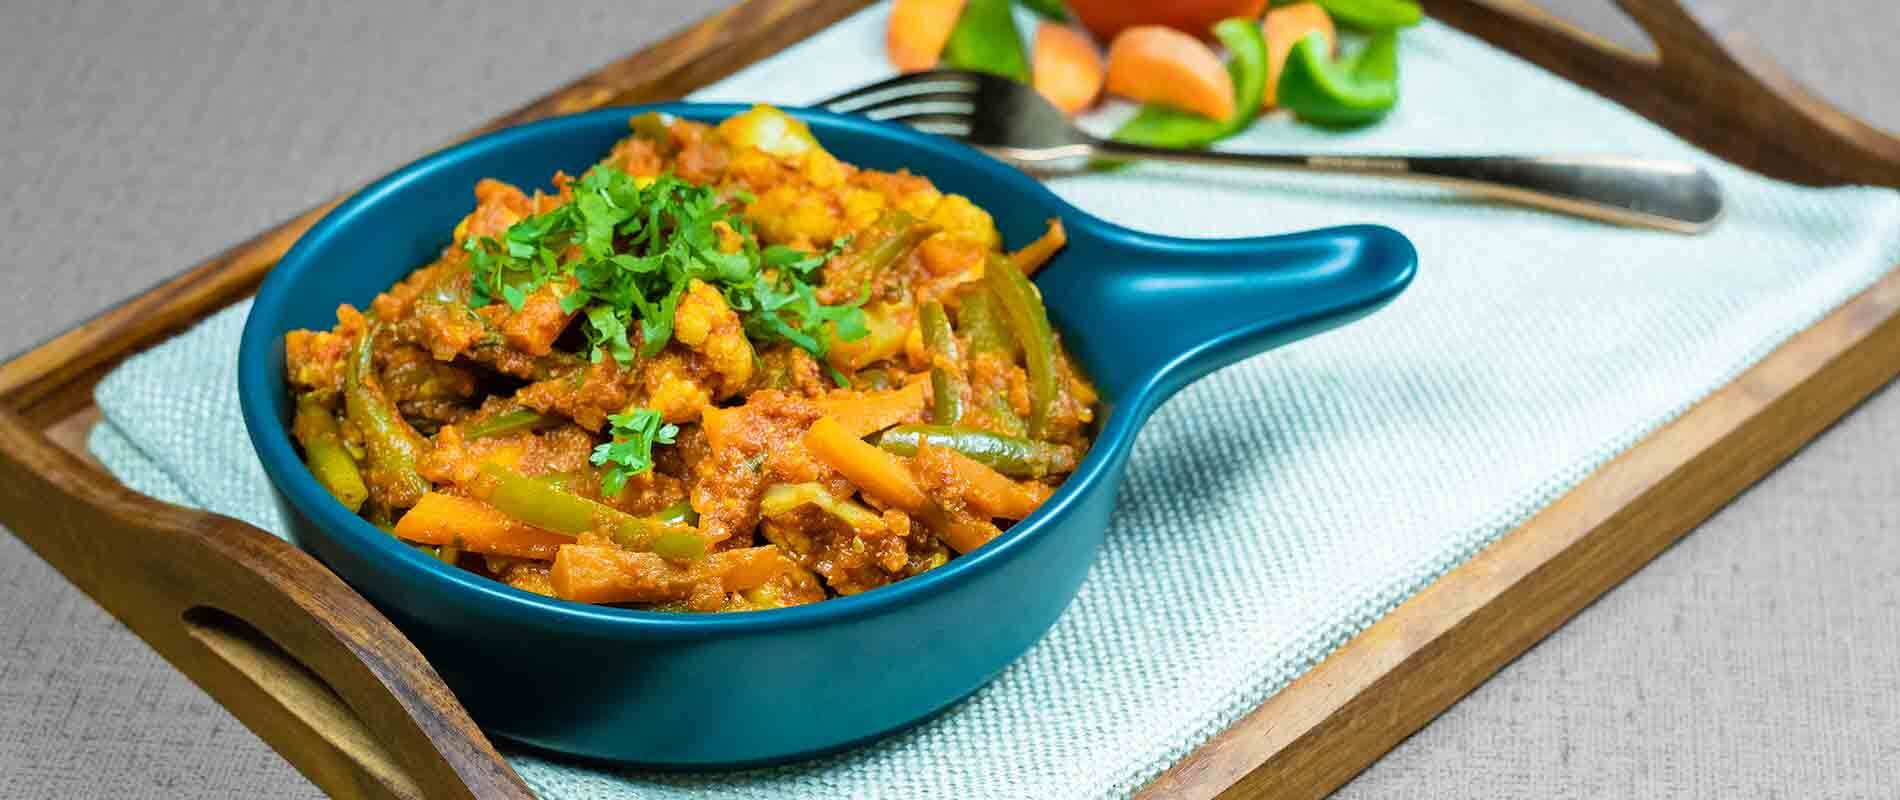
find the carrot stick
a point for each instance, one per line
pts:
(918, 31)
(962, 534)
(1066, 67)
(988, 492)
(475, 527)
(869, 412)
(875, 472)
(1037, 253)
(1284, 27)
(1154, 64)
(601, 574)
(887, 478)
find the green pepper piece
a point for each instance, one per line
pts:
(677, 544)
(538, 503)
(1161, 126)
(652, 127)
(1048, 9)
(784, 497)
(1011, 455)
(392, 447)
(520, 419)
(680, 513)
(1028, 321)
(1376, 16)
(322, 440)
(545, 505)
(985, 39)
(946, 372)
(1357, 90)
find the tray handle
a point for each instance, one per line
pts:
(272, 635)
(1706, 82)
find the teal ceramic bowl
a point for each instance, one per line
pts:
(1143, 314)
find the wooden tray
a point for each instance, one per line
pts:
(318, 673)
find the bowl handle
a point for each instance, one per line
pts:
(1151, 314)
(273, 636)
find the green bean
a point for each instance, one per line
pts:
(1028, 322)
(392, 447)
(1010, 455)
(1004, 416)
(316, 430)
(978, 319)
(545, 505)
(514, 421)
(946, 371)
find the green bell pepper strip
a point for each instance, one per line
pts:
(985, 39)
(391, 446)
(1375, 16)
(1048, 9)
(545, 505)
(1160, 126)
(1011, 455)
(322, 440)
(680, 513)
(1357, 90)
(1028, 322)
(515, 421)
(946, 378)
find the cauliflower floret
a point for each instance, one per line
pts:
(957, 216)
(703, 322)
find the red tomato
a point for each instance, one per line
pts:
(1105, 18)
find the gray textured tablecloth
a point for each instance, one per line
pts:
(1757, 658)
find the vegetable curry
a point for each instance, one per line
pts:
(720, 370)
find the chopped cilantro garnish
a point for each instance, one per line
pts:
(631, 451)
(632, 249)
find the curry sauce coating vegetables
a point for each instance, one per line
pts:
(720, 370)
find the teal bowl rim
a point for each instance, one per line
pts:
(270, 437)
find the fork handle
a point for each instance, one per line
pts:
(1668, 195)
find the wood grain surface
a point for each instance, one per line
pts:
(306, 663)
(292, 651)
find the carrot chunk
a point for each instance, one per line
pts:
(869, 412)
(1284, 27)
(988, 492)
(1037, 253)
(918, 30)
(1066, 67)
(476, 527)
(604, 574)
(1155, 64)
(875, 472)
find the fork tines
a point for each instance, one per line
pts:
(937, 101)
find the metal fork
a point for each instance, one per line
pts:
(1014, 123)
